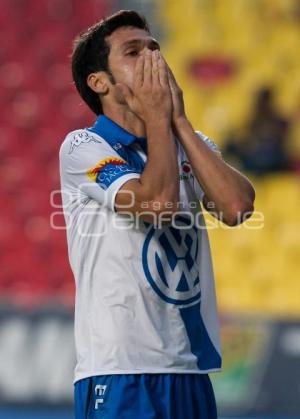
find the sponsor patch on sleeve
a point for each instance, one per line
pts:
(108, 170)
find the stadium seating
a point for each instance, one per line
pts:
(38, 107)
(257, 264)
(258, 39)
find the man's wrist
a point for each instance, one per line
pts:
(158, 121)
(181, 123)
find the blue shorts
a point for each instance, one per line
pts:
(145, 396)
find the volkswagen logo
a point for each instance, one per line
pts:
(170, 263)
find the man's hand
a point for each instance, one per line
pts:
(151, 100)
(150, 97)
(177, 99)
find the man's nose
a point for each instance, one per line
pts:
(145, 49)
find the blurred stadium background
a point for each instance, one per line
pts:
(223, 52)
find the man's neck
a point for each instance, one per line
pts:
(126, 119)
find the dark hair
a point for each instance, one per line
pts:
(90, 52)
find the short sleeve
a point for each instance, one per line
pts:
(211, 144)
(90, 166)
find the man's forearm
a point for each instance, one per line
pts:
(160, 177)
(230, 192)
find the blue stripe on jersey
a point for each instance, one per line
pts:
(201, 345)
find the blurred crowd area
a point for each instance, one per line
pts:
(237, 62)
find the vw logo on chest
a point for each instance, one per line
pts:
(170, 264)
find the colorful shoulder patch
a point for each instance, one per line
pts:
(108, 170)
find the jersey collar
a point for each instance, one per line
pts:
(114, 133)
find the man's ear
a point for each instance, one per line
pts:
(98, 82)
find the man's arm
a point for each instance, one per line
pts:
(229, 195)
(157, 190)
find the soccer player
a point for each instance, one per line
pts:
(146, 327)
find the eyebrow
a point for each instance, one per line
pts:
(134, 42)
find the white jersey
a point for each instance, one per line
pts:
(145, 297)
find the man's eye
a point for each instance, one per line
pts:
(132, 53)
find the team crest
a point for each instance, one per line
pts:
(186, 170)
